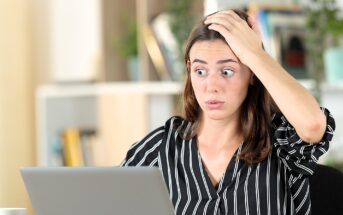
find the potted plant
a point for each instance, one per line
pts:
(333, 55)
(324, 27)
(126, 46)
(181, 21)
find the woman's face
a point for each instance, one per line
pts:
(220, 82)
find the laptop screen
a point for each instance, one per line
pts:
(97, 190)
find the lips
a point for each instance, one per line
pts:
(214, 104)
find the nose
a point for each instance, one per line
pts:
(214, 83)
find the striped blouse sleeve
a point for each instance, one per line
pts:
(298, 156)
(145, 152)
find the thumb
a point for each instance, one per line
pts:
(252, 22)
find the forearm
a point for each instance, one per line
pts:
(295, 102)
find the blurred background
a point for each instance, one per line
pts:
(82, 80)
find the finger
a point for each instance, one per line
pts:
(226, 20)
(252, 19)
(222, 20)
(252, 22)
(231, 13)
(220, 29)
(230, 17)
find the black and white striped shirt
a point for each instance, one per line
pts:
(276, 186)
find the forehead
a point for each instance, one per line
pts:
(211, 49)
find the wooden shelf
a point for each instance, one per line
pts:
(112, 109)
(153, 88)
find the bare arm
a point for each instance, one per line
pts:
(295, 102)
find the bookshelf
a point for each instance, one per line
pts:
(121, 113)
(116, 108)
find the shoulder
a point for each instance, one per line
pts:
(146, 150)
(173, 125)
(176, 123)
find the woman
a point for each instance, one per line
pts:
(251, 133)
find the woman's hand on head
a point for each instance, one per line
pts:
(243, 37)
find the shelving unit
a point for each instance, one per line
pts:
(122, 113)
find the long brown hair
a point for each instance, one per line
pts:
(256, 109)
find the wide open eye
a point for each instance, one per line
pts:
(228, 72)
(200, 72)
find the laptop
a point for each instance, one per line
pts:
(97, 190)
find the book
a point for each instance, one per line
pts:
(72, 147)
(88, 144)
(169, 46)
(283, 37)
(55, 152)
(155, 52)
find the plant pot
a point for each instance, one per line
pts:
(133, 68)
(333, 62)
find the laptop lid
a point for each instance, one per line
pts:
(97, 190)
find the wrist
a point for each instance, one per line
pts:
(254, 58)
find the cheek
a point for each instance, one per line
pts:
(195, 84)
(241, 84)
(243, 93)
(197, 88)
(237, 91)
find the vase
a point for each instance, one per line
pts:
(133, 68)
(333, 62)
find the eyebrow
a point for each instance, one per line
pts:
(218, 62)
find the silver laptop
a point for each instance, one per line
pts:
(97, 190)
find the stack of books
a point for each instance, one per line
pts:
(283, 30)
(75, 147)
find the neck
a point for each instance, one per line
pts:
(219, 134)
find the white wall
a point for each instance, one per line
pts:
(76, 39)
(68, 39)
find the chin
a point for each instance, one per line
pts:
(216, 115)
(220, 114)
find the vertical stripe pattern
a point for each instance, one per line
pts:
(277, 185)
